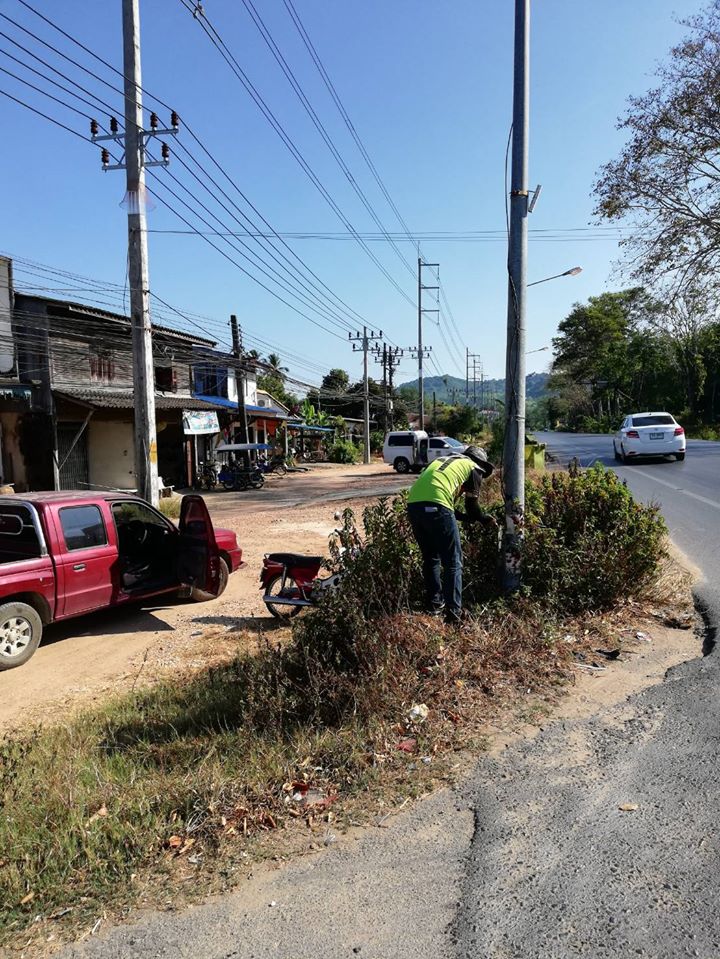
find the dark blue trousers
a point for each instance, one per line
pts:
(438, 536)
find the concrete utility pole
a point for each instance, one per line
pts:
(514, 448)
(365, 339)
(420, 352)
(389, 357)
(240, 385)
(146, 471)
(467, 374)
(394, 357)
(133, 142)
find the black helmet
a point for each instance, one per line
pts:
(479, 456)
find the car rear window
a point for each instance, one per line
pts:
(18, 536)
(661, 419)
(400, 439)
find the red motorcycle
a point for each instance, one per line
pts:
(290, 583)
(290, 580)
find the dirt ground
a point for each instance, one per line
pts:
(83, 660)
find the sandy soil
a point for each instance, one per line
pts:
(84, 659)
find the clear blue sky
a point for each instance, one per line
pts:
(428, 87)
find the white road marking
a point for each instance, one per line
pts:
(679, 489)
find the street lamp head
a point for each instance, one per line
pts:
(574, 272)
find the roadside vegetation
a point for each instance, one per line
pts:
(165, 792)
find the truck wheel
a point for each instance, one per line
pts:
(401, 465)
(201, 596)
(20, 634)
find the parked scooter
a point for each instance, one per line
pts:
(290, 580)
(207, 475)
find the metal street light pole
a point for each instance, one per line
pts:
(514, 446)
(572, 272)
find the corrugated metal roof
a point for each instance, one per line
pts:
(123, 400)
(108, 314)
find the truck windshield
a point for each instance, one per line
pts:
(18, 536)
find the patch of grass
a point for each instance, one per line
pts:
(170, 506)
(171, 785)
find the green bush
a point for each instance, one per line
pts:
(588, 544)
(343, 451)
(377, 441)
(597, 424)
(702, 432)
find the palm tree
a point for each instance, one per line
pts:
(274, 361)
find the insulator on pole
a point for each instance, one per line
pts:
(113, 125)
(93, 128)
(153, 121)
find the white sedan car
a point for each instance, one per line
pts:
(649, 434)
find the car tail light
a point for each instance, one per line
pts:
(679, 431)
(633, 435)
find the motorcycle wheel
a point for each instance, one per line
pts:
(257, 480)
(229, 484)
(273, 588)
(280, 469)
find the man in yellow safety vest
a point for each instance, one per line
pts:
(433, 517)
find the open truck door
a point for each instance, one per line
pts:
(199, 556)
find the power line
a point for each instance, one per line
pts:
(48, 79)
(342, 304)
(320, 127)
(240, 75)
(333, 316)
(231, 260)
(45, 116)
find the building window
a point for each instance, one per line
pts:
(165, 379)
(102, 366)
(207, 381)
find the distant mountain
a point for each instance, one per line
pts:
(449, 389)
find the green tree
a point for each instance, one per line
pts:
(336, 381)
(666, 180)
(275, 366)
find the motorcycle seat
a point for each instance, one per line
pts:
(294, 559)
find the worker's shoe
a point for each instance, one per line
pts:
(454, 617)
(437, 610)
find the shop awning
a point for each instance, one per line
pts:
(306, 428)
(257, 412)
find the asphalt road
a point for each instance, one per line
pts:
(688, 492)
(533, 858)
(556, 868)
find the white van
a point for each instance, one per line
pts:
(411, 450)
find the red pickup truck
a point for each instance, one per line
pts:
(64, 554)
